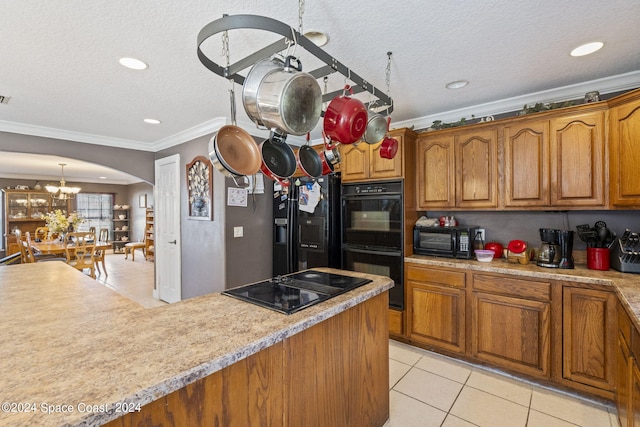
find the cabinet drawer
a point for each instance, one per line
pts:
(506, 285)
(436, 276)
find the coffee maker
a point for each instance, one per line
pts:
(556, 250)
(549, 252)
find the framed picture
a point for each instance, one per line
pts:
(200, 188)
(142, 201)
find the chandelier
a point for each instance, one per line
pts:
(62, 192)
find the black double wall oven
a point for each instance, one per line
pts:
(372, 232)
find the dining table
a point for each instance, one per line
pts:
(58, 247)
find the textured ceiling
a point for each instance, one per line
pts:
(60, 60)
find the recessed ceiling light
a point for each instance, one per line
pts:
(152, 121)
(103, 177)
(587, 48)
(318, 38)
(457, 84)
(133, 63)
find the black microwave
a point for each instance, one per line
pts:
(451, 242)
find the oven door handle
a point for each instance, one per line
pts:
(373, 252)
(375, 196)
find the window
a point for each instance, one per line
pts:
(97, 210)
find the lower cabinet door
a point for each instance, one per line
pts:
(510, 332)
(635, 396)
(437, 316)
(623, 381)
(589, 336)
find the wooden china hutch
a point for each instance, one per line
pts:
(24, 210)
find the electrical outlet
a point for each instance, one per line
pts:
(238, 231)
(482, 236)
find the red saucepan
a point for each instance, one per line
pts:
(309, 161)
(330, 156)
(278, 159)
(327, 166)
(388, 148)
(345, 120)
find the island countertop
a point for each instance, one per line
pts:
(626, 285)
(74, 347)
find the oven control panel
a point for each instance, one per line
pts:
(364, 189)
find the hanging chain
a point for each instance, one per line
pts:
(225, 46)
(300, 13)
(387, 77)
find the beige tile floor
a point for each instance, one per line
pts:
(133, 279)
(426, 389)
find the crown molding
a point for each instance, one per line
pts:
(87, 138)
(605, 85)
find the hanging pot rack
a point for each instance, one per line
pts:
(290, 38)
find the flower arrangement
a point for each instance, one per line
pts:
(58, 223)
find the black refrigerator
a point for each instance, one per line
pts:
(306, 224)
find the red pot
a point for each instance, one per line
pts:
(496, 247)
(388, 148)
(345, 120)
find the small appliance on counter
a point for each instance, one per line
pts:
(625, 255)
(556, 250)
(450, 242)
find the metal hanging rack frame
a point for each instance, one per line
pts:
(290, 38)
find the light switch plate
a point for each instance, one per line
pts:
(238, 231)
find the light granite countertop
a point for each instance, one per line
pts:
(70, 344)
(626, 285)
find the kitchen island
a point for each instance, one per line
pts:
(76, 353)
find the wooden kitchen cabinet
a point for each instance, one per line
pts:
(435, 171)
(577, 160)
(624, 151)
(565, 333)
(511, 323)
(458, 169)
(477, 168)
(624, 368)
(436, 307)
(526, 164)
(362, 162)
(556, 161)
(627, 395)
(589, 336)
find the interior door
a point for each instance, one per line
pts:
(168, 249)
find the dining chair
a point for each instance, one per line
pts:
(30, 255)
(41, 233)
(103, 237)
(80, 251)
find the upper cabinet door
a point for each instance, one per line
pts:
(354, 162)
(436, 171)
(526, 164)
(624, 153)
(577, 160)
(382, 168)
(477, 168)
